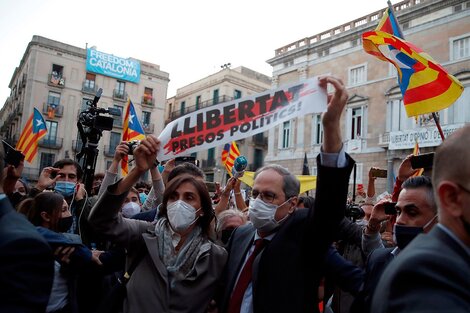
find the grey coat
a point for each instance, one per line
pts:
(148, 289)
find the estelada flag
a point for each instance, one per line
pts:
(389, 24)
(33, 131)
(131, 130)
(233, 153)
(225, 152)
(425, 85)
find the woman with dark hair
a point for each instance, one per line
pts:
(176, 267)
(203, 205)
(50, 213)
(49, 210)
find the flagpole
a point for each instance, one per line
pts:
(434, 115)
(436, 120)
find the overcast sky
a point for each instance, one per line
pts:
(188, 39)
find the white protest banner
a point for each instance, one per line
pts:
(237, 119)
(426, 137)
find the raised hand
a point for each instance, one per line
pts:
(121, 151)
(405, 170)
(332, 142)
(146, 153)
(47, 178)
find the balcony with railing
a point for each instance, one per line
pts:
(58, 110)
(148, 128)
(51, 143)
(19, 109)
(89, 87)
(108, 151)
(369, 20)
(56, 80)
(204, 104)
(148, 101)
(23, 80)
(119, 95)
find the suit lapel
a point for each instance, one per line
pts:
(244, 240)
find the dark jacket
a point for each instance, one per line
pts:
(26, 264)
(432, 274)
(287, 273)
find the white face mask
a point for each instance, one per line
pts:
(130, 209)
(181, 215)
(262, 215)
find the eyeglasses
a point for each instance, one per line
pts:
(267, 197)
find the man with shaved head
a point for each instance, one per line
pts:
(433, 273)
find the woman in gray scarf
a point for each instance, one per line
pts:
(179, 267)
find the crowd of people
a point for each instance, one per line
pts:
(169, 245)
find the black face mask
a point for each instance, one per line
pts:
(16, 198)
(64, 224)
(226, 233)
(405, 234)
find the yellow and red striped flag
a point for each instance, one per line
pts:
(229, 154)
(425, 85)
(33, 131)
(131, 130)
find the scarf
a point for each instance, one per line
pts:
(178, 264)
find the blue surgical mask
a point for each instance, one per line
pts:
(65, 188)
(143, 197)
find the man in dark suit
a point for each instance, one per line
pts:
(286, 272)
(26, 260)
(432, 273)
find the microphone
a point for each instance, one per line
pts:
(239, 166)
(97, 97)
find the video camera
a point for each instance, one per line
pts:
(91, 124)
(354, 211)
(92, 117)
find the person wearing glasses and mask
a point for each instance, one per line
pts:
(276, 262)
(178, 267)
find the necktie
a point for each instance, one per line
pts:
(245, 278)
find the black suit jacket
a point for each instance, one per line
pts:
(287, 273)
(375, 266)
(432, 274)
(26, 264)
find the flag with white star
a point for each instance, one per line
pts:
(131, 130)
(33, 131)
